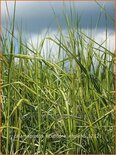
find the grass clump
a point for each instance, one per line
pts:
(60, 107)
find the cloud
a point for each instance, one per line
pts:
(50, 48)
(37, 16)
(102, 38)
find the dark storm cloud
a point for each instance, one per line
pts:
(37, 16)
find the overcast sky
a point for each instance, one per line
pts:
(36, 17)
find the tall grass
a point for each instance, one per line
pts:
(51, 108)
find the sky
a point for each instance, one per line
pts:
(34, 18)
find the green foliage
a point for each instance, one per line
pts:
(54, 109)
